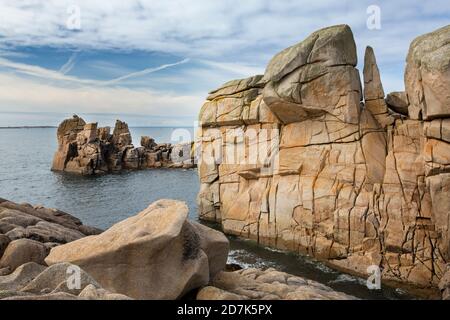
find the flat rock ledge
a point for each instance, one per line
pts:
(86, 149)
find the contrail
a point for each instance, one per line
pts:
(69, 64)
(144, 72)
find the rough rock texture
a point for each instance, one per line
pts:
(398, 102)
(427, 75)
(88, 150)
(157, 254)
(373, 90)
(270, 284)
(444, 285)
(28, 233)
(296, 160)
(32, 281)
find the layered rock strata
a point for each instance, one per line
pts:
(307, 159)
(86, 149)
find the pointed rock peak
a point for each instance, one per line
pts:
(373, 88)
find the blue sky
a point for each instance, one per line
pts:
(153, 62)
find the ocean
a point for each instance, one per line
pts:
(101, 201)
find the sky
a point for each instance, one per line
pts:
(152, 62)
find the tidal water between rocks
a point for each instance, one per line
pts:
(101, 201)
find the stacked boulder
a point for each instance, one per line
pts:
(85, 149)
(269, 284)
(304, 158)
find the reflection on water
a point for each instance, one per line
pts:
(101, 201)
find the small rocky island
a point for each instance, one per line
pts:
(86, 149)
(360, 179)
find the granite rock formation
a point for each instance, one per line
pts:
(157, 254)
(307, 159)
(269, 284)
(159, 249)
(85, 149)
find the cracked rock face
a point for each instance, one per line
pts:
(297, 159)
(427, 75)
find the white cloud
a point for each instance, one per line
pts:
(227, 38)
(60, 75)
(205, 28)
(33, 95)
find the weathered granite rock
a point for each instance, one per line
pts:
(4, 241)
(58, 282)
(88, 150)
(270, 284)
(66, 135)
(427, 75)
(444, 284)
(373, 90)
(157, 254)
(22, 251)
(398, 101)
(314, 77)
(353, 184)
(20, 277)
(28, 233)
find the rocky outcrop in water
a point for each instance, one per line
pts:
(85, 149)
(307, 159)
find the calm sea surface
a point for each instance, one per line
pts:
(25, 176)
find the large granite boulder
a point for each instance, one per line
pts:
(297, 160)
(157, 254)
(427, 75)
(269, 284)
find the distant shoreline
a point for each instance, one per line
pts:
(54, 127)
(29, 127)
